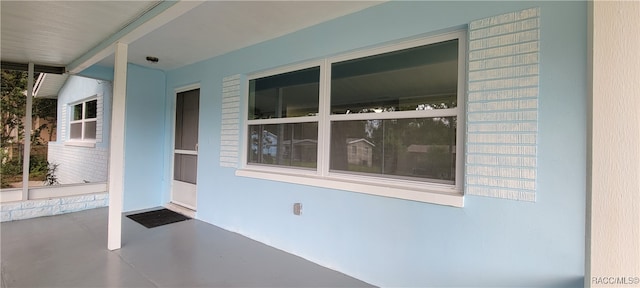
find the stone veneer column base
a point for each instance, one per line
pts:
(19, 210)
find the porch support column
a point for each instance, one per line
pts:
(116, 156)
(613, 187)
(27, 135)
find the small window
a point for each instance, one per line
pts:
(84, 121)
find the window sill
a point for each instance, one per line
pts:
(447, 197)
(80, 144)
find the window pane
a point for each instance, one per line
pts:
(419, 78)
(92, 109)
(187, 113)
(77, 112)
(293, 144)
(76, 131)
(90, 130)
(185, 168)
(421, 148)
(292, 94)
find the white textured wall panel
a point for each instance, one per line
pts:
(63, 123)
(613, 212)
(230, 127)
(99, 118)
(502, 106)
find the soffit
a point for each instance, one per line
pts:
(218, 27)
(58, 32)
(48, 85)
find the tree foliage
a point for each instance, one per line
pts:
(13, 107)
(14, 83)
(46, 109)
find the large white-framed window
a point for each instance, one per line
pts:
(83, 120)
(387, 121)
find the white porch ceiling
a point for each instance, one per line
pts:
(58, 33)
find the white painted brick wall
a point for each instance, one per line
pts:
(230, 129)
(99, 117)
(502, 106)
(79, 164)
(49, 207)
(63, 122)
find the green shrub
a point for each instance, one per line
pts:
(11, 168)
(38, 164)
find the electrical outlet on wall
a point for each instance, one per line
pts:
(297, 209)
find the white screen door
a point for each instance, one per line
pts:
(185, 153)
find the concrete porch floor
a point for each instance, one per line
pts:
(70, 251)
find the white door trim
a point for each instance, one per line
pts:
(173, 183)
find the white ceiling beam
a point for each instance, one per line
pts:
(160, 15)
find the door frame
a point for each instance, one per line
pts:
(176, 91)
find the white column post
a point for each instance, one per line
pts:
(613, 202)
(27, 135)
(116, 155)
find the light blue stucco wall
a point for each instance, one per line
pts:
(144, 134)
(144, 138)
(388, 242)
(98, 72)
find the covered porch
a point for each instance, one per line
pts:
(566, 216)
(70, 251)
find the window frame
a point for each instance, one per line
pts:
(417, 190)
(287, 120)
(82, 141)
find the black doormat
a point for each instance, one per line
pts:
(157, 218)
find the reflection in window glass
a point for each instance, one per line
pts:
(77, 112)
(76, 131)
(90, 130)
(292, 94)
(420, 148)
(420, 78)
(92, 109)
(292, 144)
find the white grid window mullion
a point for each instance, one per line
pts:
(452, 112)
(282, 120)
(84, 116)
(324, 125)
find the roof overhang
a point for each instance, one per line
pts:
(48, 85)
(69, 36)
(78, 34)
